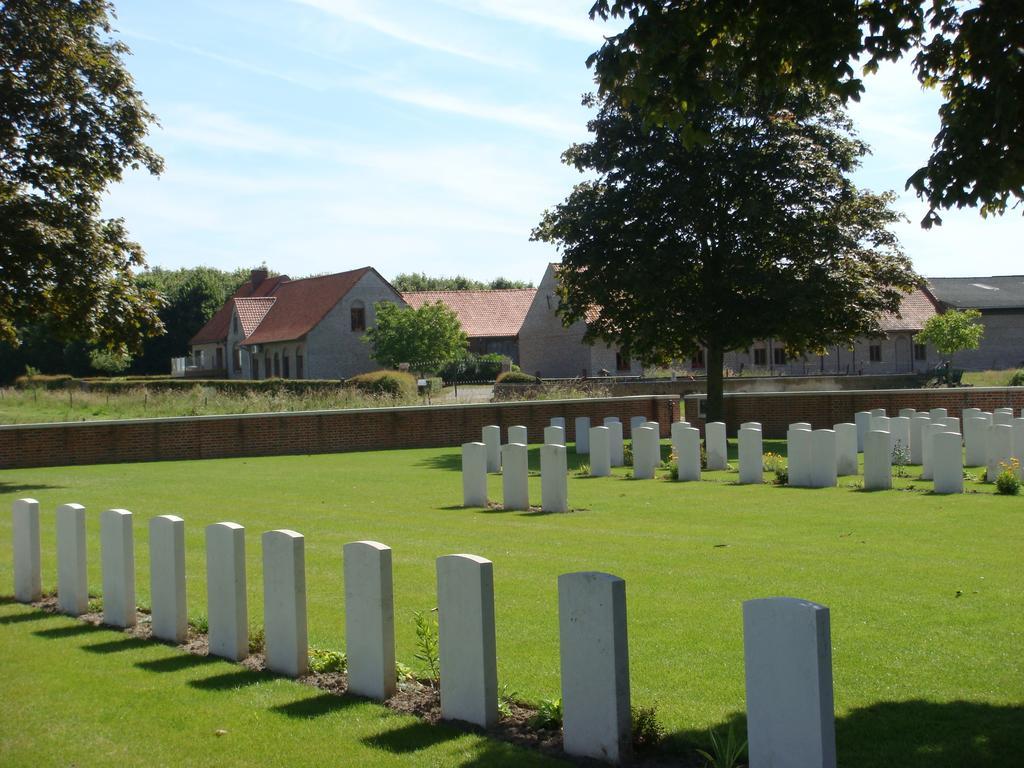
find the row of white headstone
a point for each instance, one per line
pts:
(787, 648)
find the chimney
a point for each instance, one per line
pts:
(257, 276)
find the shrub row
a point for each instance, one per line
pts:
(393, 383)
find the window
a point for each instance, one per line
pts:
(697, 361)
(286, 372)
(220, 357)
(920, 351)
(238, 360)
(277, 364)
(875, 353)
(779, 355)
(761, 356)
(255, 367)
(358, 318)
(298, 364)
(621, 362)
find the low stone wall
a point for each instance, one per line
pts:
(337, 431)
(777, 410)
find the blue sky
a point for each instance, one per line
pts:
(417, 135)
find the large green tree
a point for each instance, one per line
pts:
(952, 331)
(426, 338)
(666, 59)
(71, 122)
(755, 232)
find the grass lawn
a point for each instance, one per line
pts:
(989, 378)
(926, 592)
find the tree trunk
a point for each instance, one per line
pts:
(715, 362)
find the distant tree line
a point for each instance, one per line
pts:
(418, 281)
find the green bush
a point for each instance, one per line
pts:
(43, 380)
(473, 368)
(393, 383)
(516, 377)
(1007, 482)
(1017, 380)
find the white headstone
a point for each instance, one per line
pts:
(938, 413)
(646, 453)
(751, 456)
(226, 596)
(686, 444)
(582, 435)
(716, 445)
(515, 485)
(474, 474)
(947, 463)
(117, 553)
(824, 455)
(787, 652)
(635, 423)
(952, 423)
(369, 619)
(908, 413)
(558, 421)
(554, 435)
(167, 578)
(1018, 441)
(1000, 449)
(518, 434)
(863, 421)
(465, 615)
(976, 438)
(846, 449)
(609, 420)
(880, 424)
(968, 413)
(600, 452)
(804, 425)
(750, 424)
(615, 443)
(284, 602)
(899, 429)
(554, 478)
(594, 652)
(918, 424)
(28, 574)
(492, 439)
(878, 411)
(798, 456)
(1001, 417)
(877, 461)
(928, 432)
(1003, 410)
(72, 579)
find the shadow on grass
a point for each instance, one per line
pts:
(449, 461)
(21, 487)
(317, 706)
(909, 734)
(22, 618)
(228, 681)
(176, 663)
(56, 633)
(117, 646)
(411, 738)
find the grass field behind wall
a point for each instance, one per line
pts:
(926, 592)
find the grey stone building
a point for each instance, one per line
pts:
(1000, 299)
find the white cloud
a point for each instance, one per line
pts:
(567, 20)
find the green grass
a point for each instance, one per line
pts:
(988, 378)
(28, 406)
(925, 591)
(79, 691)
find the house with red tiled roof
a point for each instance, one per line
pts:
(549, 349)
(490, 318)
(301, 329)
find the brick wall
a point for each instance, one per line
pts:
(777, 410)
(364, 429)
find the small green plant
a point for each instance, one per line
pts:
(95, 605)
(627, 455)
(1008, 479)
(1017, 380)
(506, 698)
(703, 456)
(324, 660)
(549, 714)
(583, 470)
(404, 673)
(200, 624)
(427, 644)
(773, 461)
(900, 459)
(647, 729)
(257, 640)
(781, 476)
(726, 751)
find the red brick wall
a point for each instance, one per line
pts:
(777, 410)
(209, 437)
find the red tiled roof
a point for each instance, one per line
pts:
(483, 314)
(915, 309)
(216, 328)
(251, 311)
(300, 304)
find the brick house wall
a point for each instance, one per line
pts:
(338, 431)
(777, 410)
